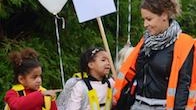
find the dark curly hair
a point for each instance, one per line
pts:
(23, 62)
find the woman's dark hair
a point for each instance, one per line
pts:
(23, 62)
(172, 7)
(88, 56)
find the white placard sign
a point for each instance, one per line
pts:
(90, 9)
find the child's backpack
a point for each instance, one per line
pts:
(63, 97)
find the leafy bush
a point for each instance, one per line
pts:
(187, 19)
(25, 23)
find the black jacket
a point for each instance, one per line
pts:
(152, 74)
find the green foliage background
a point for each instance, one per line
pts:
(26, 23)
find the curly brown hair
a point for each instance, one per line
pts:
(23, 62)
(172, 7)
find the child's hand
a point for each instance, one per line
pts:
(51, 93)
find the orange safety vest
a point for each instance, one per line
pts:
(182, 48)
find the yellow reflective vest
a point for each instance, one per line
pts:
(92, 95)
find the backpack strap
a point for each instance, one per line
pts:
(79, 75)
(21, 93)
(87, 82)
(20, 90)
(107, 81)
(93, 99)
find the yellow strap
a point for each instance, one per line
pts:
(93, 99)
(79, 75)
(108, 99)
(94, 103)
(47, 99)
(18, 87)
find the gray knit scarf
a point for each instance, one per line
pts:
(163, 40)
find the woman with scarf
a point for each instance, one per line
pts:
(162, 62)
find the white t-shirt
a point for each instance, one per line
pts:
(79, 98)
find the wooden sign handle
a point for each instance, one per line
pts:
(106, 46)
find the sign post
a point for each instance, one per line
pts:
(91, 9)
(106, 46)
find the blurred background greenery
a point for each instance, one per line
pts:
(26, 23)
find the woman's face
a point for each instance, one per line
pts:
(154, 23)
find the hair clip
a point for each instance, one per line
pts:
(94, 51)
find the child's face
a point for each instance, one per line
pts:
(100, 65)
(32, 80)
